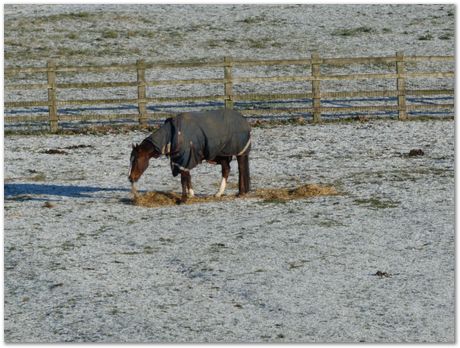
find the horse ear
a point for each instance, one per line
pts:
(134, 146)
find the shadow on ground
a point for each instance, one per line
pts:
(25, 191)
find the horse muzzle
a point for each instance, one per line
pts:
(131, 179)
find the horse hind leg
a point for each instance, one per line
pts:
(186, 182)
(225, 164)
(244, 180)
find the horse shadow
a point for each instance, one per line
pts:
(27, 191)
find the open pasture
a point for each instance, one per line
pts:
(374, 262)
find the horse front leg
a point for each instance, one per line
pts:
(186, 182)
(225, 164)
(190, 192)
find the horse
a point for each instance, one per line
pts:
(192, 137)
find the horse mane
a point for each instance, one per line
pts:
(159, 141)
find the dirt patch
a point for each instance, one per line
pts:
(416, 152)
(81, 146)
(54, 152)
(62, 150)
(271, 195)
(383, 274)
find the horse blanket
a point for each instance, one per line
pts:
(189, 138)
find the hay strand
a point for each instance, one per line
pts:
(134, 191)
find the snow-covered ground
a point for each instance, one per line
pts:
(122, 33)
(82, 264)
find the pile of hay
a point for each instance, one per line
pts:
(161, 198)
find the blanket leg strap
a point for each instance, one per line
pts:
(245, 147)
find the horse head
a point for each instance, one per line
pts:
(139, 161)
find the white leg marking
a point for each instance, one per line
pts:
(190, 193)
(223, 183)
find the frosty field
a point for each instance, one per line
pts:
(374, 263)
(82, 264)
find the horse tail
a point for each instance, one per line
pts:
(244, 182)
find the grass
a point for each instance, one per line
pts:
(38, 177)
(66, 51)
(141, 33)
(274, 200)
(376, 203)
(75, 16)
(149, 250)
(329, 223)
(67, 246)
(425, 37)
(252, 20)
(73, 36)
(264, 42)
(109, 34)
(446, 36)
(353, 32)
(217, 247)
(296, 264)
(71, 15)
(213, 43)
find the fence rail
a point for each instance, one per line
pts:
(228, 80)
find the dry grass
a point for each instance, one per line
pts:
(273, 195)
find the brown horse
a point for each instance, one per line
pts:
(190, 138)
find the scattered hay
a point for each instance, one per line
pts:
(161, 198)
(48, 205)
(304, 191)
(134, 191)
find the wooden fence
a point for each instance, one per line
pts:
(313, 75)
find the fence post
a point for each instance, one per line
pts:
(401, 85)
(141, 92)
(315, 86)
(228, 83)
(52, 109)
